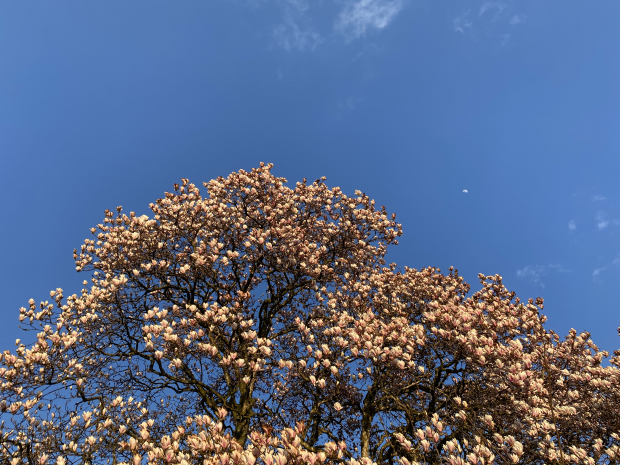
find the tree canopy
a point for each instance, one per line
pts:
(260, 324)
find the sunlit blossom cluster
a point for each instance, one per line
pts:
(260, 324)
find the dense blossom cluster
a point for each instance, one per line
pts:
(260, 324)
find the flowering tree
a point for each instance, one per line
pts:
(260, 323)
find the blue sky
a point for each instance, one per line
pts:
(411, 101)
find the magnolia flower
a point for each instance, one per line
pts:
(318, 295)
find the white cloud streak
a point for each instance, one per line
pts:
(601, 221)
(290, 35)
(572, 225)
(597, 272)
(534, 273)
(559, 268)
(517, 19)
(494, 19)
(499, 7)
(359, 16)
(460, 23)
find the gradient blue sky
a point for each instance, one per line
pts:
(412, 101)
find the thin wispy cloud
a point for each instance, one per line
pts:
(497, 7)
(294, 7)
(350, 103)
(598, 198)
(359, 16)
(346, 106)
(559, 268)
(517, 19)
(597, 272)
(297, 31)
(535, 273)
(293, 33)
(505, 38)
(462, 22)
(290, 36)
(572, 225)
(601, 220)
(532, 273)
(491, 19)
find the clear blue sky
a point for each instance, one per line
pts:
(412, 101)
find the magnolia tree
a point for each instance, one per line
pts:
(260, 324)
